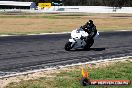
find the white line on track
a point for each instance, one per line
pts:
(36, 34)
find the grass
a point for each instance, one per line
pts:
(48, 23)
(70, 79)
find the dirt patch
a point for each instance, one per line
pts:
(52, 73)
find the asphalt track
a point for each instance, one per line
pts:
(22, 53)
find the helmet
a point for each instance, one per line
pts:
(90, 22)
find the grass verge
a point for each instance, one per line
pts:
(19, 24)
(70, 78)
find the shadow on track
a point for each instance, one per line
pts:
(91, 49)
(97, 49)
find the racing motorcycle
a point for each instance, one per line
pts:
(78, 40)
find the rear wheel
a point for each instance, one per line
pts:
(68, 46)
(90, 43)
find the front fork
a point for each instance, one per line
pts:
(73, 41)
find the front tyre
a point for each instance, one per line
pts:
(68, 46)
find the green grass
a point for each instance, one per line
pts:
(70, 79)
(28, 16)
(41, 16)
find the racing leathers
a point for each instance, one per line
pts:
(90, 28)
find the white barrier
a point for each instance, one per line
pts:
(86, 9)
(94, 9)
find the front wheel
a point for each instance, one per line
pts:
(68, 46)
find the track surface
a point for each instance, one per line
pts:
(22, 53)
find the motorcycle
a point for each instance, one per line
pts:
(78, 40)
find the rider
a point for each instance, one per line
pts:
(90, 28)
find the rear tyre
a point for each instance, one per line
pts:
(68, 46)
(90, 43)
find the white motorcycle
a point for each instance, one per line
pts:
(77, 41)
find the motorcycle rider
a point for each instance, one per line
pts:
(90, 28)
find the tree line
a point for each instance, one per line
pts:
(114, 3)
